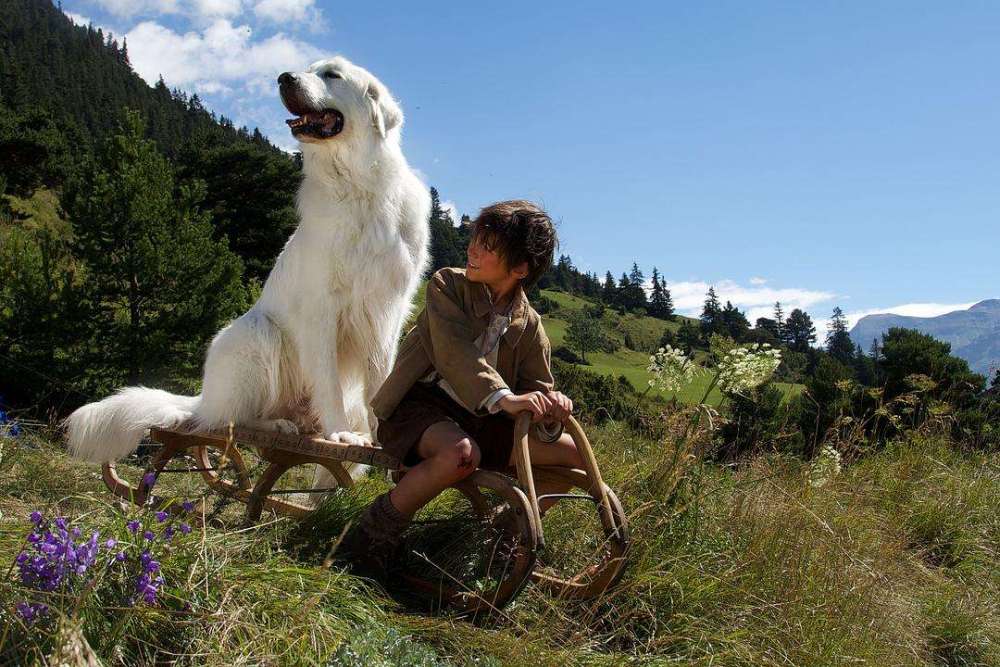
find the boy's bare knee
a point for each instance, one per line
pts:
(460, 459)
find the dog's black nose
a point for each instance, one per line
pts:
(286, 79)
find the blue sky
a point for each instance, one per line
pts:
(821, 154)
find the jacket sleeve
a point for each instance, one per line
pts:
(452, 345)
(535, 370)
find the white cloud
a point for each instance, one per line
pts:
(213, 8)
(452, 211)
(78, 19)
(756, 299)
(287, 11)
(127, 8)
(218, 55)
(758, 281)
(212, 87)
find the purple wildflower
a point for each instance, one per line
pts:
(30, 611)
(149, 536)
(110, 544)
(161, 516)
(120, 556)
(133, 526)
(61, 523)
(184, 528)
(149, 479)
(36, 517)
(188, 505)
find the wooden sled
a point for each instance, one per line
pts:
(510, 538)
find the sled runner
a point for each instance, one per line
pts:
(480, 547)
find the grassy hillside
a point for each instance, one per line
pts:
(891, 562)
(646, 333)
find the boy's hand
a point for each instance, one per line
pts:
(535, 402)
(560, 407)
(552, 405)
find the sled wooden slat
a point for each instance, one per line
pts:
(310, 446)
(518, 513)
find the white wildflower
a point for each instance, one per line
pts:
(825, 467)
(746, 368)
(671, 369)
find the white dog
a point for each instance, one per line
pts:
(322, 337)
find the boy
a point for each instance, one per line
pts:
(477, 357)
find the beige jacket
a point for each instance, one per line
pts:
(456, 313)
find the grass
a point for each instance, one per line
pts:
(892, 562)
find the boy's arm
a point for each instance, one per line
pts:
(456, 356)
(535, 371)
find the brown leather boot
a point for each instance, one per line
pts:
(372, 542)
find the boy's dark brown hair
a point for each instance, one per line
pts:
(519, 231)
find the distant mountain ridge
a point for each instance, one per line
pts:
(974, 334)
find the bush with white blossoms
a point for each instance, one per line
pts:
(671, 369)
(825, 467)
(745, 368)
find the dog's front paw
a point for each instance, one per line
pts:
(350, 438)
(284, 426)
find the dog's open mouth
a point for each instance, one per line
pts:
(317, 124)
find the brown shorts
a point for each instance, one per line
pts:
(424, 405)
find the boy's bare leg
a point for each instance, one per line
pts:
(562, 452)
(449, 456)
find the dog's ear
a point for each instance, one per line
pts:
(386, 114)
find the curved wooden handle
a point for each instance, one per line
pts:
(522, 461)
(590, 466)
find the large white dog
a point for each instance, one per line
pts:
(322, 337)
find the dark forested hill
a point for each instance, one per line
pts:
(82, 79)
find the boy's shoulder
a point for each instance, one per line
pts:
(476, 295)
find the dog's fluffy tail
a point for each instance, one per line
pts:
(112, 428)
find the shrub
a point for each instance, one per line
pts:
(568, 355)
(597, 397)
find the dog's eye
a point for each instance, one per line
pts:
(330, 74)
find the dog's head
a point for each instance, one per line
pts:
(337, 104)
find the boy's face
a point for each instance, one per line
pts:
(484, 266)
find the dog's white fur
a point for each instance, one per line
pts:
(322, 337)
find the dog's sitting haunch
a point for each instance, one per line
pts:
(322, 337)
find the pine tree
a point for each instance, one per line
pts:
(668, 302)
(447, 246)
(624, 293)
(656, 296)
(734, 322)
(779, 323)
(838, 341)
(800, 331)
(711, 314)
(636, 287)
(660, 303)
(609, 293)
(159, 285)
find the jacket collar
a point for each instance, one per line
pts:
(481, 305)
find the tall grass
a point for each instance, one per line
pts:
(891, 562)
